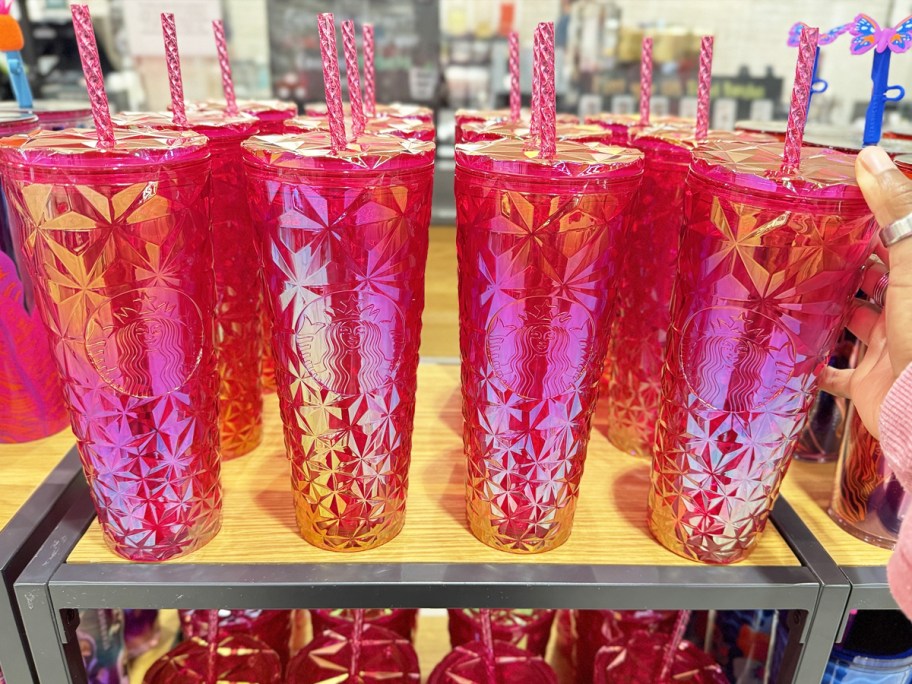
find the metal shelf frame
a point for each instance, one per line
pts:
(20, 539)
(50, 591)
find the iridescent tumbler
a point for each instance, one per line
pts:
(344, 243)
(537, 243)
(629, 403)
(238, 288)
(117, 244)
(768, 264)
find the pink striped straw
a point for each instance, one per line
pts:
(172, 58)
(536, 87)
(370, 92)
(221, 47)
(703, 88)
(804, 73)
(515, 95)
(91, 69)
(331, 81)
(354, 665)
(487, 640)
(671, 650)
(546, 96)
(645, 80)
(351, 73)
(212, 652)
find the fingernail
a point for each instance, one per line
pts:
(875, 160)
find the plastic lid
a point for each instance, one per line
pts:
(489, 130)
(467, 116)
(78, 148)
(824, 174)
(671, 133)
(17, 121)
(401, 128)
(396, 110)
(313, 152)
(255, 107)
(572, 160)
(210, 122)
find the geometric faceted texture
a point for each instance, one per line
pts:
(344, 250)
(639, 658)
(528, 629)
(766, 273)
(233, 659)
(868, 501)
(473, 663)
(402, 621)
(272, 627)
(537, 260)
(629, 401)
(238, 287)
(239, 295)
(372, 655)
(117, 247)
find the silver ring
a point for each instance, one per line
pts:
(896, 231)
(879, 293)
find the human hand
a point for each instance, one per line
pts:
(887, 332)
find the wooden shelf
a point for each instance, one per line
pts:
(808, 487)
(440, 322)
(25, 466)
(259, 525)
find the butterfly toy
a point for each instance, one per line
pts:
(869, 35)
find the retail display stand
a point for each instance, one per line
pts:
(259, 561)
(38, 489)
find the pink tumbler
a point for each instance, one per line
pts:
(117, 244)
(537, 242)
(769, 260)
(344, 242)
(526, 628)
(238, 288)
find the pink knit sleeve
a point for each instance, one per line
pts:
(896, 428)
(896, 442)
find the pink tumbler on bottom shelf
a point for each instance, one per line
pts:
(768, 264)
(638, 659)
(238, 288)
(272, 627)
(344, 240)
(537, 243)
(402, 621)
(375, 656)
(118, 249)
(470, 663)
(528, 629)
(235, 659)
